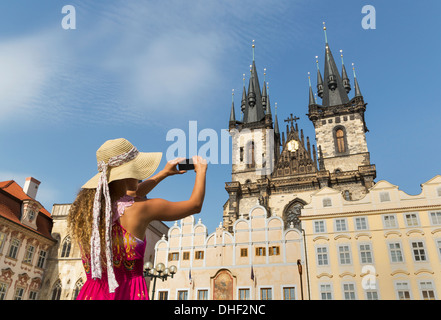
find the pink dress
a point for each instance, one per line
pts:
(128, 260)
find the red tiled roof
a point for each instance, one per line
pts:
(15, 191)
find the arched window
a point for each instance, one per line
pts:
(77, 289)
(65, 250)
(56, 291)
(250, 155)
(291, 214)
(340, 140)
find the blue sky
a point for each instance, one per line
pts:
(141, 68)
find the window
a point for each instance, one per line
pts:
(427, 290)
(250, 155)
(361, 223)
(396, 254)
(260, 251)
(163, 295)
(266, 294)
(390, 221)
(77, 289)
(340, 140)
(419, 253)
(29, 254)
(274, 251)
(319, 226)
(202, 294)
(322, 256)
(327, 202)
(18, 293)
(438, 245)
(439, 191)
(3, 289)
(340, 225)
(402, 289)
(241, 154)
(41, 259)
(412, 220)
(371, 295)
(13, 248)
(173, 256)
(288, 293)
(2, 240)
(365, 253)
(349, 291)
(244, 294)
(344, 254)
(182, 295)
(435, 217)
(325, 292)
(199, 255)
(347, 195)
(33, 295)
(56, 291)
(384, 196)
(244, 252)
(65, 252)
(186, 255)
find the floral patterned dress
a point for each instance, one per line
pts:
(128, 260)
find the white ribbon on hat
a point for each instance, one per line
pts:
(95, 244)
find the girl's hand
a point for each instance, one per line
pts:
(200, 164)
(171, 169)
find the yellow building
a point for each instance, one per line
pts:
(258, 261)
(385, 246)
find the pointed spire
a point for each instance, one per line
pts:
(311, 94)
(344, 75)
(276, 122)
(356, 86)
(232, 113)
(254, 111)
(268, 103)
(333, 91)
(319, 80)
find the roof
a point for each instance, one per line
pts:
(7, 210)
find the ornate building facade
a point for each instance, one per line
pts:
(320, 209)
(25, 241)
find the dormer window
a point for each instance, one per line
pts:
(327, 202)
(384, 196)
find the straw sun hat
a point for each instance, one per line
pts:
(134, 164)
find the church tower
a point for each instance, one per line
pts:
(341, 129)
(256, 146)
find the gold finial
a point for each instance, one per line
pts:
(326, 37)
(341, 54)
(251, 67)
(324, 26)
(253, 49)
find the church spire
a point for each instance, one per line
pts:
(253, 111)
(232, 113)
(356, 86)
(319, 80)
(334, 92)
(344, 75)
(311, 94)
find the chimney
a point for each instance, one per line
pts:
(31, 187)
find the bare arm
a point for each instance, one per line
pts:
(160, 209)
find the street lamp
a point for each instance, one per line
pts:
(160, 272)
(299, 266)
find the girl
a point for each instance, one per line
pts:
(110, 215)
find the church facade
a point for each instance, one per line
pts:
(283, 188)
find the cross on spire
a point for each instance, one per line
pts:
(292, 119)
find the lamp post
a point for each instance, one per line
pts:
(160, 272)
(299, 266)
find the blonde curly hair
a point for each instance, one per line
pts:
(79, 221)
